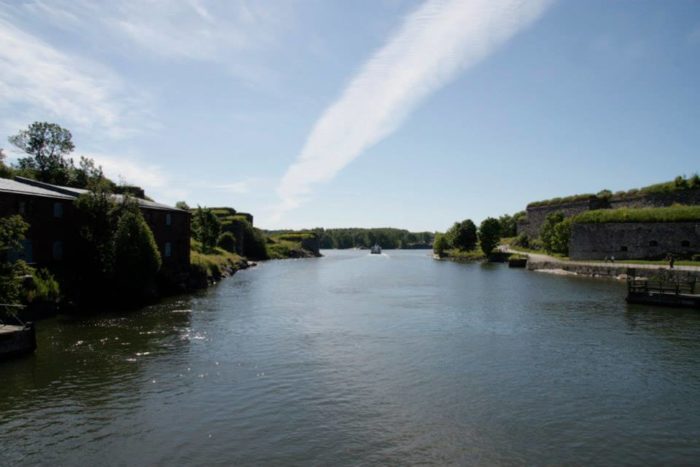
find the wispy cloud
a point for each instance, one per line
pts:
(47, 83)
(432, 46)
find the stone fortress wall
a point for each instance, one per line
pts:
(638, 240)
(537, 213)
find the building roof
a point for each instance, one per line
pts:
(13, 186)
(31, 187)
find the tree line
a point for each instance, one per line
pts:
(355, 237)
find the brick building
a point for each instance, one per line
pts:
(53, 234)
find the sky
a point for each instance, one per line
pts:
(371, 113)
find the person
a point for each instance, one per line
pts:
(671, 260)
(612, 259)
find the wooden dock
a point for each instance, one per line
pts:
(663, 292)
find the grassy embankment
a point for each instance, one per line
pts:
(214, 264)
(289, 245)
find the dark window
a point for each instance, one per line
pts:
(58, 250)
(653, 243)
(685, 243)
(168, 249)
(623, 248)
(168, 219)
(58, 210)
(22, 207)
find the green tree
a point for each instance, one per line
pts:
(508, 225)
(462, 235)
(182, 205)
(137, 259)
(489, 234)
(440, 244)
(227, 241)
(562, 234)
(5, 170)
(46, 144)
(206, 228)
(547, 231)
(12, 230)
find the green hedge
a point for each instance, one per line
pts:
(668, 214)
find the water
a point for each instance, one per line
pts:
(363, 359)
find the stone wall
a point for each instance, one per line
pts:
(536, 215)
(634, 240)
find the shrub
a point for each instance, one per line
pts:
(227, 241)
(522, 240)
(137, 259)
(489, 235)
(547, 230)
(44, 287)
(440, 244)
(462, 235)
(206, 227)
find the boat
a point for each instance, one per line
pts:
(16, 337)
(376, 250)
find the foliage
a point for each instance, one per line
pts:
(182, 205)
(464, 255)
(440, 244)
(547, 230)
(509, 224)
(12, 230)
(679, 183)
(5, 170)
(560, 239)
(354, 237)
(44, 287)
(522, 240)
(555, 233)
(462, 235)
(206, 227)
(227, 241)
(212, 264)
(666, 214)
(137, 259)
(46, 145)
(489, 234)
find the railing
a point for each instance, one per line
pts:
(662, 287)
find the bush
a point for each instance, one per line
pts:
(462, 235)
(440, 244)
(206, 227)
(137, 259)
(227, 241)
(489, 235)
(44, 287)
(522, 240)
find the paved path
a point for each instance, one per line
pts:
(542, 258)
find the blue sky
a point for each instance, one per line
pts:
(371, 113)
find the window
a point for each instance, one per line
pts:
(168, 219)
(685, 243)
(168, 250)
(58, 250)
(22, 207)
(623, 248)
(58, 210)
(653, 243)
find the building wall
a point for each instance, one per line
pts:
(52, 233)
(46, 229)
(634, 240)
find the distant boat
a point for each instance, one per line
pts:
(376, 250)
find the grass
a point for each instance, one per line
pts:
(668, 214)
(679, 184)
(282, 249)
(461, 255)
(214, 263)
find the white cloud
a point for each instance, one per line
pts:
(46, 83)
(434, 43)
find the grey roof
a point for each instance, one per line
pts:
(13, 186)
(37, 188)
